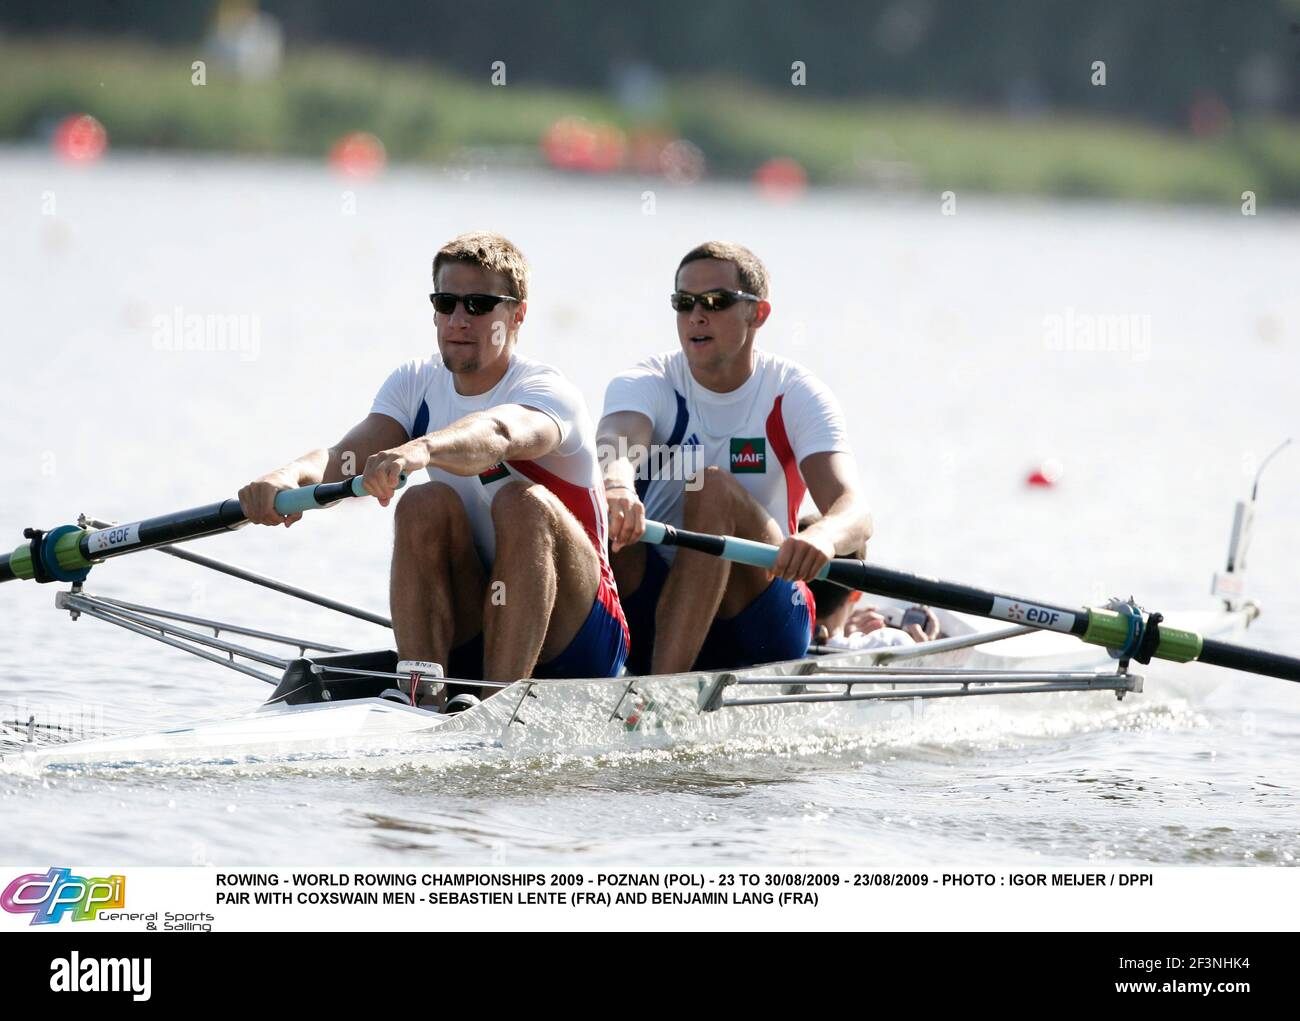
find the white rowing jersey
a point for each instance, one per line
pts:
(422, 398)
(759, 433)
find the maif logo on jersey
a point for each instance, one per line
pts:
(748, 454)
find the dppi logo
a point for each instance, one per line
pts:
(47, 898)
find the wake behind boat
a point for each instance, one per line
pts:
(331, 702)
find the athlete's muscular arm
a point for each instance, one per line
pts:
(468, 446)
(622, 442)
(845, 524)
(325, 464)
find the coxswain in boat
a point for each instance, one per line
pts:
(844, 621)
(723, 438)
(500, 567)
(843, 624)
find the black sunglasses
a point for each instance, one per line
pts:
(475, 304)
(713, 301)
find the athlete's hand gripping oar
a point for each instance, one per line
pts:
(68, 552)
(1125, 631)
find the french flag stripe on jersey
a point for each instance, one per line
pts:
(585, 505)
(794, 487)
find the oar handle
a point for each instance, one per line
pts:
(295, 501)
(728, 547)
(841, 570)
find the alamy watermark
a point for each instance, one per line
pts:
(658, 462)
(1104, 333)
(235, 333)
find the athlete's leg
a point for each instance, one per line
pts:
(544, 581)
(701, 587)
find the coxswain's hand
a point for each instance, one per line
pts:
(927, 632)
(868, 619)
(865, 620)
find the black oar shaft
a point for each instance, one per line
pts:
(947, 595)
(68, 552)
(1125, 629)
(1255, 661)
(163, 530)
(883, 581)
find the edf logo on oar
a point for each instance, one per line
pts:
(48, 897)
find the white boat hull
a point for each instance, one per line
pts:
(585, 716)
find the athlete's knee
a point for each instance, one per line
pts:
(714, 492)
(711, 485)
(430, 508)
(519, 507)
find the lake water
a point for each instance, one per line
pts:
(964, 349)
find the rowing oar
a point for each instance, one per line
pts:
(68, 552)
(1125, 631)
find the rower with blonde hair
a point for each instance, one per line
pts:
(500, 568)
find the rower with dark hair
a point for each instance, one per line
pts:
(748, 434)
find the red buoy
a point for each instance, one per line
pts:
(80, 138)
(1046, 474)
(358, 154)
(573, 143)
(781, 179)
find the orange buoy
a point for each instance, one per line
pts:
(358, 154)
(781, 179)
(608, 150)
(572, 143)
(80, 138)
(567, 143)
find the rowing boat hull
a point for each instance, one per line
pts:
(586, 716)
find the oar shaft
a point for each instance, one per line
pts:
(1255, 661)
(1096, 625)
(71, 550)
(856, 574)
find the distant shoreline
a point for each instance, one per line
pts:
(144, 97)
